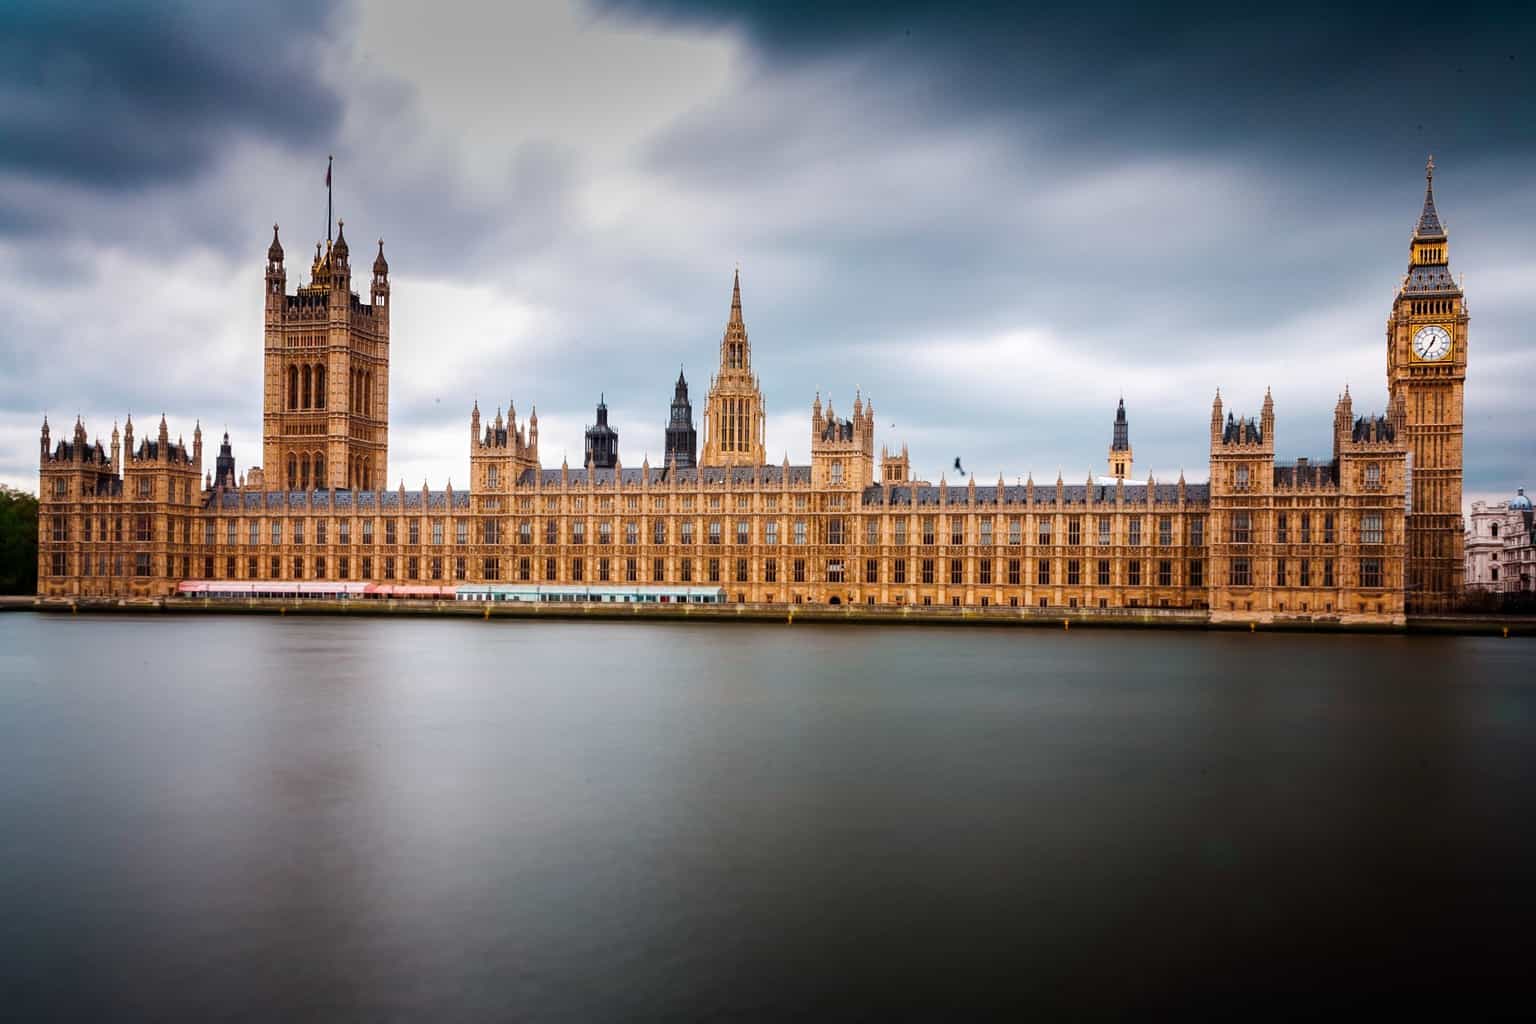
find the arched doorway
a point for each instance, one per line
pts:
(835, 600)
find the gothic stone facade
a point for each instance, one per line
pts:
(1348, 537)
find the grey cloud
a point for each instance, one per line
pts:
(881, 190)
(122, 95)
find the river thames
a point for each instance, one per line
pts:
(291, 818)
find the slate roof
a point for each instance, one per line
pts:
(340, 500)
(1382, 425)
(150, 451)
(1310, 474)
(1429, 280)
(1429, 225)
(1135, 494)
(741, 475)
(69, 451)
(1240, 431)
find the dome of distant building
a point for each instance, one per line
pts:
(1520, 500)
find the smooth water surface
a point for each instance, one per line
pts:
(371, 818)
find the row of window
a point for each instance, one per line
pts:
(833, 531)
(1371, 478)
(144, 487)
(714, 570)
(1240, 528)
(1240, 570)
(1302, 573)
(1240, 531)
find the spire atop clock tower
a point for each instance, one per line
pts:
(1429, 219)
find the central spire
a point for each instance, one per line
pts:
(733, 420)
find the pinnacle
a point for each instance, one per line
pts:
(1429, 225)
(736, 297)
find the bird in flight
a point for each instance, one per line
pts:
(958, 468)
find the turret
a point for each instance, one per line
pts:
(1120, 446)
(379, 292)
(224, 475)
(1343, 420)
(1267, 416)
(681, 437)
(341, 269)
(1216, 419)
(117, 449)
(277, 276)
(44, 440)
(602, 450)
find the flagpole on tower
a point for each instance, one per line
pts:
(328, 161)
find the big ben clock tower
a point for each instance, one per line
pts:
(1426, 374)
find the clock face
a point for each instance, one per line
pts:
(1431, 343)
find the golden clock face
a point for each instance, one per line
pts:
(1432, 343)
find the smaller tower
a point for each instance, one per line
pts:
(602, 440)
(842, 450)
(895, 469)
(1120, 446)
(682, 438)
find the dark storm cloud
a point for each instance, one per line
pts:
(1288, 77)
(1311, 121)
(123, 95)
(1317, 109)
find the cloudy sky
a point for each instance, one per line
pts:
(994, 224)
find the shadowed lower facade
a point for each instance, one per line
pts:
(1347, 536)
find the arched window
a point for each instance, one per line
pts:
(308, 391)
(293, 470)
(319, 387)
(368, 393)
(304, 473)
(293, 387)
(368, 474)
(319, 470)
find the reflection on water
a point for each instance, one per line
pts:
(325, 818)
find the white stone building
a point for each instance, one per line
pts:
(1501, 547)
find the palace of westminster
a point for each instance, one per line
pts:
(1369, 533)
